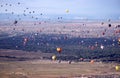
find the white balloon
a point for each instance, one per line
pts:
(102, 47)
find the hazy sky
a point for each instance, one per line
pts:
(83, 8)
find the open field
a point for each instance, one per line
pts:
(21, 64)
(19, 55)
(53, 69)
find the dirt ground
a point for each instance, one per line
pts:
(53, 69)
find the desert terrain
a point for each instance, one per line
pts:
(26, 49)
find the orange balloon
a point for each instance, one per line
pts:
(59, 50)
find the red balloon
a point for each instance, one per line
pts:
(103, 33)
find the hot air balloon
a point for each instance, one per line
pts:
(36, 18)
(58, 18)
(109, 25)
(92, 61)
(41, 14)
(119, 41)
(70, 61)
(27, 8)
(6, 10)
(117, 68)
(92, 47)
(67, 11)
(12, 12)
(59, 49)
(81, 59)
(33, 11)
(13, 28)
(54, 57)
(25, 39)
(18, 3)
(1, 5)
(29, 12)
(15, 22)
(24, 10)
(109, 20)
(103, 33)
(6, 4)
(102, 23)
(118, 25)
(10, 4)
(102, 47)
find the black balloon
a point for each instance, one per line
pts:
(15, 22)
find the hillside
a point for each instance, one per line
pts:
(88, 40)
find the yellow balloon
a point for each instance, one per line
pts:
(67, 11)
(53, 57)
(117, 68)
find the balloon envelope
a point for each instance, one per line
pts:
(53, 57)
(102, 47)
(67, 11)
(92, 61)
(25, 39)
(117, 68)
(59, 50)
(119, 40)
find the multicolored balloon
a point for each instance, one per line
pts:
(59, 49)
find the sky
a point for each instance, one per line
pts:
(96, 9)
